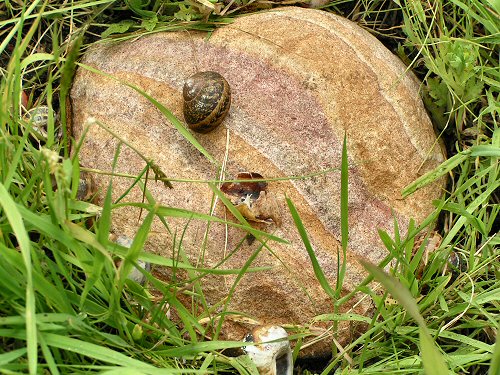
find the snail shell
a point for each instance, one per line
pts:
(271, 357)
(39, 118)
(207, 98)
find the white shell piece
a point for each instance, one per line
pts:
(124, 241)
(135, 274)
(270, 358)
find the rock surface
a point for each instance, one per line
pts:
(300, 78)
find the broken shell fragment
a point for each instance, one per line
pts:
(271, 352)
(134, 275)
(138, 276)
(245, 187)
(264, 209)
(86, 187)
(458, 263)
(252, 199)
(123, 241)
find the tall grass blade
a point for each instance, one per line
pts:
(434, 363)
(167, 113)
(199, 347)
(441, 170)
(344, 217)
(19, 24)
(495, 358)
(16, 222)
(488, 20)
(179, 212)
(93, 351)
(133, 252)
(480, 200)
(232, 290)
(11, 356)
(102, 237)
(67, 73)
(310, 251)
(49, 358)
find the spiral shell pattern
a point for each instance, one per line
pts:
(207, 98)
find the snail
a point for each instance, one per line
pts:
(207, 98)
(270, 351)
(38, 117)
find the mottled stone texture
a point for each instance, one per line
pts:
(300, 79)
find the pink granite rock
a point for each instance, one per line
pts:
(300, 78)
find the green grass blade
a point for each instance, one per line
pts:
(310, 251)
(199, 347)
(14, 163)
(344, 218)
(481, 199)
(431, 176)
(57, 11)
(11, 356)
(167, 113)
(458, 338)
(344, 196)
(181, 213)
(490, 23)
(495, 359)
(17, 224)
(133, 252)
(434, 363)
(485, 150)
(102, 236)
(153, 371)
(93, 351)
(36, 57)
(232, 290)
(67, 73)
(49, 358)
(19, 24)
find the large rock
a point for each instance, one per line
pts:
(300, 78)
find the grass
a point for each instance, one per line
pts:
(65, 306)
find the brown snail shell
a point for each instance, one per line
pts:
(207, 98)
